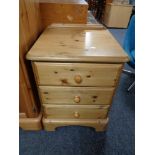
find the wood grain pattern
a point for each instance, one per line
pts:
(76, 95)
(117, 15)
(63, 12)
(77, 45)
(25, 101)
(76, 111)
(22, 115)
(31, 123)
(64, 74)
(52, 124)
(29, 30)
(30, 24)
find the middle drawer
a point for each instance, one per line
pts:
(76, 95)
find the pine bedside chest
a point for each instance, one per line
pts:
(77, 68)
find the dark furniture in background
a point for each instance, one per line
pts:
(97, 7)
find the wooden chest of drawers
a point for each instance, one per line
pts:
(77, 68)
(63, 11)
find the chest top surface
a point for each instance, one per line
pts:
(77, 45)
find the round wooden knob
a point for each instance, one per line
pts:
(78, 79)
(76, 114)
(77, 99)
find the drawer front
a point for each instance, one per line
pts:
(76, 95)
(75, 111)
(76, 74)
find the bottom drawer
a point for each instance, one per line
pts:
(52, 124)
(76, 111)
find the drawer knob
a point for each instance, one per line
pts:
(76, 114)
(78, 79)
(77, 99)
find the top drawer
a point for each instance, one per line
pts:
(76, 74)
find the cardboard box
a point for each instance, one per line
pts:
(120, 1)
(117, 15)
